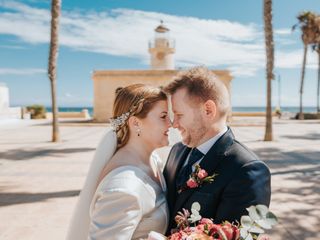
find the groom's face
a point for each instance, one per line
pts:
(188, 118)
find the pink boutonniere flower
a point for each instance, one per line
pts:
(197, 178)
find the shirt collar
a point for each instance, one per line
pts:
(205, 147)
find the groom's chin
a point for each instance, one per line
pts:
(186, 142)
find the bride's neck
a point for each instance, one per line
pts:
(139, 151)
(131, 154)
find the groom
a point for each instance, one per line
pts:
(201, 104)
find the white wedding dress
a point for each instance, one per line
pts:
(127, 204)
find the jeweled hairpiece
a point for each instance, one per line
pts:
(119, 121)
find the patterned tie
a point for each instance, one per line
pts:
(186, 170)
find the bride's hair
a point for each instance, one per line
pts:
(137, 100)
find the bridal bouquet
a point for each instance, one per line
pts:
(191, 226)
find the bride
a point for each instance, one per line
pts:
(123, 196)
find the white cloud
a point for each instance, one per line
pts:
(21, 71)
(12, 47)
(293, 59)
(68, 95)
(283, 31)
(124, 32)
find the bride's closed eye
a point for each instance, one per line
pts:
(164, 116)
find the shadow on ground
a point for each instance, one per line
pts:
(298, 204)
(312, 136)
(7, 199)
(21, 154)
(296, 191)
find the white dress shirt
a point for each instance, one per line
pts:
(205, 147)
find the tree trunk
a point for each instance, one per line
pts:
(269, 70)
(52, 68)
(318, 89)
(301, 116)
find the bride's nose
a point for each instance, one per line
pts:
(169, 123)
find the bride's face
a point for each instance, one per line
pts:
(154, 128)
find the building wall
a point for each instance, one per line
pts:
(106, 82)
(4, 98)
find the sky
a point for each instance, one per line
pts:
(114, 34)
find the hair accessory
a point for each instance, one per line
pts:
(119, 121)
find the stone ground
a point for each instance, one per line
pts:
(40, 180)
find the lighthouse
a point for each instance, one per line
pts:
(162, 49)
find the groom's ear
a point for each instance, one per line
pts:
(210, 109)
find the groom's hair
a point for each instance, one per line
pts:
(202, 85)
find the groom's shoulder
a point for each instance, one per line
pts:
(242, 158)
(241, 154)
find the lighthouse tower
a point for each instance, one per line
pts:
(162, 49)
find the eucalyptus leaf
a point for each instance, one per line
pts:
(263, 223)
(196, 206)
(195, 212)
(245, 234)
(256, 229)
(194, 218)
(271, 218)
(253, 213)
(246, 221)
(262, 210)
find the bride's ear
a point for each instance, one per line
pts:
(134, 122)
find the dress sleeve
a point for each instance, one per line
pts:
(115, 215)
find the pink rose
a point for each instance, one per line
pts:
(214, 229)
(191, 183)
(206, 221)
(231, 232)
(263, 237)
(202, 174)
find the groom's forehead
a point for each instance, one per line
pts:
(180, 96)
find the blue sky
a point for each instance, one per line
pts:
(114, 34)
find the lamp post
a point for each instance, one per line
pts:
(279, 91)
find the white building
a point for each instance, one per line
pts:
(7, 112)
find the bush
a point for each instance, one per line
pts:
(37, 111)
(309, 116)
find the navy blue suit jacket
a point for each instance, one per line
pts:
(243, 180)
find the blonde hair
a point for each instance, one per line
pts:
(137, 100)
(202, 85)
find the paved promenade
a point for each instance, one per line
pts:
(40, 180)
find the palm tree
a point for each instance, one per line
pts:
(309, 33)
(316, 47)
(52, 68)
(268, 32)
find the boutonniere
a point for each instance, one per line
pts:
(198, 178)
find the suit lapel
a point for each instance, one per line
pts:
(173, 166)
(209, 163)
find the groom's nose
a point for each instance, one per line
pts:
(175, 123)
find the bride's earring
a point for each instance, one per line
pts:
(138, 131)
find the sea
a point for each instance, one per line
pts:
(234, 109)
